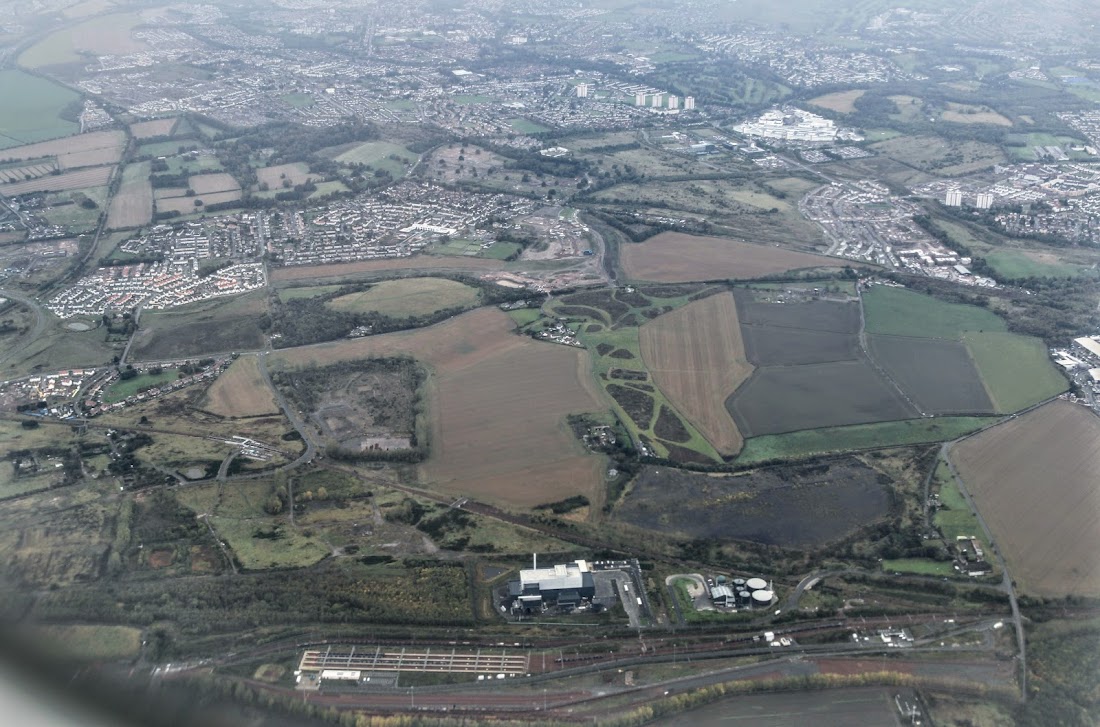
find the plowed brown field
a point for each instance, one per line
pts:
(1034, 480)
(498, 403)
(697, 357)
(673, 257)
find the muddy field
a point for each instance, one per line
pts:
(697, 358)
(938, 375)
(1034, 482)
(240, 392)
(676, 257)
(798, 506)
(816, 315)
(790, 398)
(770, 346)
(497, 403)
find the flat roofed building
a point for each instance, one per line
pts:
(564, 584)
(1089, 344)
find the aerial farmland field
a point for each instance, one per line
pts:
(497, 403)
(938, 375)
(154, 128)
(788, 398)
(132, 205)
(408, 297)
(73, 151)
(1033, 480)
(240, 392)
(901, 312)
(92, 177)
(672, 257)
(842, 102)
(1015, 370)
(696, 357)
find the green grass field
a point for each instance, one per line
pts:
(164, 148)
(89, 643)
(1018, 265)
(955, 518)
(298, 100)
(524, 126)
(1017, 370)
(377, 154)
(75, 217)
(268, 543)
(900, 312)
(35, 117)
(920, 566)
(860, 436)
(308, 292)
(408, 297)
(122, 389)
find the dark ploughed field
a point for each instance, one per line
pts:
(790, 398)
(770, 346)
(939, 375)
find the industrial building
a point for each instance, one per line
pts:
(565, 585)
(741, 593)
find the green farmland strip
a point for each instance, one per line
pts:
(860, 436)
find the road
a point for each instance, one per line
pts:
(1007, 583)
(291, 414)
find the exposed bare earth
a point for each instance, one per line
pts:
(697, 358)
(1034, 479)
(241, 392)
(156, 127)
(419, 262)
(498, 403)
(673, 257)
(94, 177)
